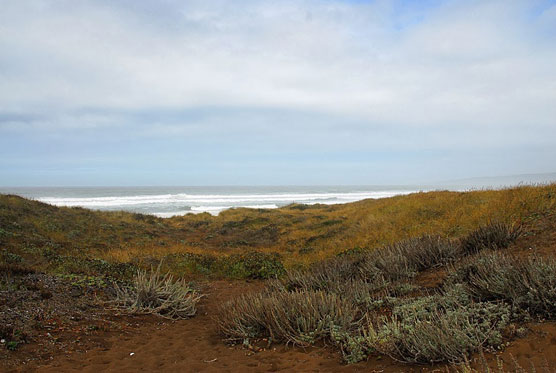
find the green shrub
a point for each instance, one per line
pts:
(254, 265)
(14, 270)
(92, 267)
(9, 257)
(306, 250)
(189, 263)
(493, 236)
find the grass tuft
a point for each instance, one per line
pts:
(153, 293)
(527, 284)
(493, 236)
(300, 317)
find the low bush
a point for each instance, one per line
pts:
(249, 265)
(61, 264)
(301, 317)
(153, 293)
(440, 328)
(9, 257)
(493, 236)
(377, 268)
(254, 265)
(190, 263)
(529, 285)
(405, 258)
(328, 275)
(9, 269)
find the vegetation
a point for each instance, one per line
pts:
(153, 293)
(248, 265)
(492, 236)
(438, 328)
(481, 297)
(300, 317)
(71, 240)
(527, 285)
(349, 275)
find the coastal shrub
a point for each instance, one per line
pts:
(427, 251)
(248, 265)
(154, 293)
(493, 236)
(373, 270)
(190, 263)
(301, 317)
(306, 250)
(440, 328)
(9, 257)
(527, 284)
(353, 251)
(11, 269)
(404, 259)
(62, 264)
(254, 265)
(328, 275)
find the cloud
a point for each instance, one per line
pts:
(337, 74)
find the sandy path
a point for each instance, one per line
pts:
(194, 346)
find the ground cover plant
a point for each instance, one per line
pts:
(486, 292)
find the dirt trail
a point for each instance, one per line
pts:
(194, 346)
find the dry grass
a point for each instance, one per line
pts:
(302, 235)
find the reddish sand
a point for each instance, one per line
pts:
(194, 346)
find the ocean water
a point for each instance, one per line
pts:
(172, 201)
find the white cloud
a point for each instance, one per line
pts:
(480, 63)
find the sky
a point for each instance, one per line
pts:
(249, 92)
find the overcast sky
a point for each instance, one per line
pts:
(275, 92)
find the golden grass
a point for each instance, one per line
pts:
(301, 234)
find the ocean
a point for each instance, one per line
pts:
(171, 201)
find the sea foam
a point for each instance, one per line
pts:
(172, 204)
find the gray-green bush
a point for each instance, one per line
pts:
(301, 317)
(440, 328)
(391, 316)
(493, 236)
(527, 284)
(154, 293)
